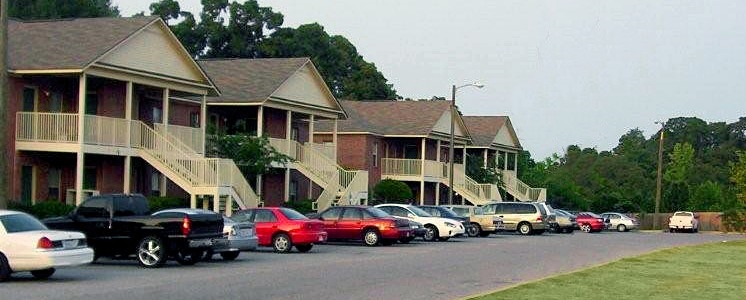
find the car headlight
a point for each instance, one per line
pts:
(233, 231)
(450, 225)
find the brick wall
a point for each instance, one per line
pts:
(180, 111)
(273, 192)
(274, 122)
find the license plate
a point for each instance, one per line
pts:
(70, 243)
(243, 233)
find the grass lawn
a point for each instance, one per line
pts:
(710, 272)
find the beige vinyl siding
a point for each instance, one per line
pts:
(504, 137)
(444, 125)
(153, 50)
(304, 86)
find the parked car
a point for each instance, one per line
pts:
(369, 224)
(240, 236)
(551, 219)
(444, 212)
(683, 220)
(525, 217)
(417, 229)
(482, 224)
(620, 222)
(566, 222)
(436, 228)
(283, 228)
(590, 222)
(26, 245)
(121, 225)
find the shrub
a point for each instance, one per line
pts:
(302, 206)
(160, 203)
(392, 191)
(735, 219)
(45, 209)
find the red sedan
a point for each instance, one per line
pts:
(369, 224)
(282, 228)
(590, 222)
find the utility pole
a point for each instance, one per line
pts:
(4, 174)
(659, 175)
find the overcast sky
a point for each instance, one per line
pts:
(565, 72)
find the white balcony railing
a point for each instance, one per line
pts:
(105, 131)
(46, 127)
(191, 137)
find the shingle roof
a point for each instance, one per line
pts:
(389, 117)
(66, 43)
(483, 129)
(249, 80)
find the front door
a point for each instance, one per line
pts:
(27, 184)
(266, 225)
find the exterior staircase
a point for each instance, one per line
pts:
(470, 190)
(340, 186)
(522, 191)
(219, 178)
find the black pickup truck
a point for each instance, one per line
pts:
(119, 225)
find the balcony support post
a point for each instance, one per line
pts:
(203, 123)
(79, 165)
(311, 122)
(288, 144)
(259, 132)
(423, 151)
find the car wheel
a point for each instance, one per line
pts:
(281, 243)
(43, 274)
(621, 228)
(151, 252)
(371, 237)
(671, 230)
(431, 233)
(524, 228)
(4, 268)
(586, 228)
(473, 230)
(230, 255)
(304, 248)
(188, 257)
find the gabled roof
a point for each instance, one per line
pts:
(484, 130)
(389, 117)
(249, 80)
(67, 44)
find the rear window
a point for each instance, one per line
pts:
(682, 214)
(542, 210)
(21, 223)
(377, 213)
(292, 214)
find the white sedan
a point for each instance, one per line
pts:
(27, 245)
(436, 228)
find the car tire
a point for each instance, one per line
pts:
(474, 230)
(525, 228)
(621, 228)
(42, 274)
(151, 252)
(304, 248)
(371, 237)
(586, 228)
(188, 257)
(431, 233)
(230, 255)
(281, 243)
(671, 230)
(4, 268)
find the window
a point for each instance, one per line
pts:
(53, 183)
(375, 154)
(95, 208)
(194, 119)
(243, 216)
(129, 206)
(292, 214)
(331, 214)
(399, 212)
(264, 215)
(29, 99)
(351, 213)
(21, 222)
(157, 115)
(293, 191)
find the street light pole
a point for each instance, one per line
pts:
(454, 112)
(659, 176)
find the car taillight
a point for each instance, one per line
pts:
(44, 243)
(186, 225)
(538, 219)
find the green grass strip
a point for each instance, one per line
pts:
(709, 271)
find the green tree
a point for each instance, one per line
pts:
(254, 155)
(738, 176)
(392, 191)
(476, 170)
(58, 9)
(707, 196)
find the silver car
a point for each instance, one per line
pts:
(241, 237)
(620, 222)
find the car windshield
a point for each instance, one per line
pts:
(419, 212)
(377, 213)
(478, 211)
(445, 212)
(292, 214)
(21, 223)
(462, 211)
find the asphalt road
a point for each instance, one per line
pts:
(443, 270)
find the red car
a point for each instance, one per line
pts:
(282, 228)
(590, 222)
(369, 224)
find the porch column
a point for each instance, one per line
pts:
(193, 200)
(79, 165)
(437, 153)
(203, 123)
(422, 172)
(259, 132)
(515, 163)
(485, 157)
(162, 185)
(463, 156)
(334, 139)
(289, 145)
(166, 94)
(216, 202)
(505, 161)
(437, 193)
(310, 140)
(127, 188)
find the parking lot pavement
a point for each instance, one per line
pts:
(420, 270)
